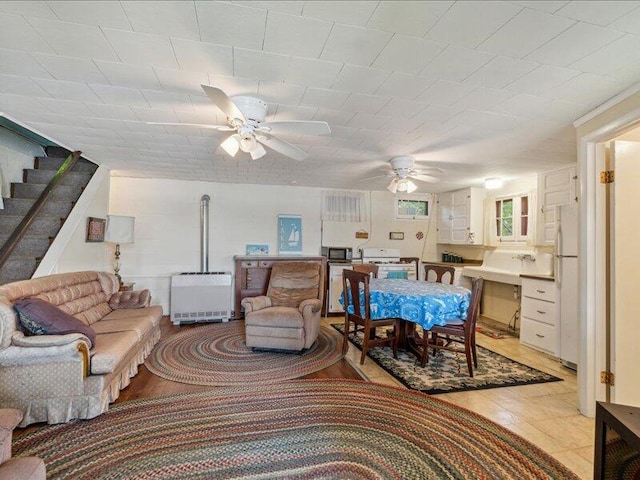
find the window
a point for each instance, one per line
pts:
(512, 218)
(411, 207)
(342, 206)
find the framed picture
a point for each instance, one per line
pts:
(95, 229)
(289, 234)
(257, 249)
(396, 235)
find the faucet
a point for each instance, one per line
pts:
(525, 256)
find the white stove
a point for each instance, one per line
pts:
(388, 260)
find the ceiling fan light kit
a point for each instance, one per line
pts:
(231, 144)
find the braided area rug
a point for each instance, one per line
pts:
(301, 429)
(217, 355)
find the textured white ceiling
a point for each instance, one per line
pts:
(478, 89)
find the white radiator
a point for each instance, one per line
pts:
(201, 297)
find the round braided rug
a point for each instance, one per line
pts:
(301, 429)
(217, 354)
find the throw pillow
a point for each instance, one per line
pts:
(38, 317)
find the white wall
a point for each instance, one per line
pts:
(167, 226)
(78, 253)
(16, 154)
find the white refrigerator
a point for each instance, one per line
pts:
(566, 276)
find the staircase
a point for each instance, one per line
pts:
(27, 255)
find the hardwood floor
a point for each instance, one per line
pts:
(145, 384)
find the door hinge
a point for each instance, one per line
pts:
(608, 378)
(607, 176)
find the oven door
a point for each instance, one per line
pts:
(385, 268)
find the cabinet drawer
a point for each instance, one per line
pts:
(542, 289)
(539, 335)
(540, 310)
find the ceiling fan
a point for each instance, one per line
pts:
(403, 172)
(245, 116)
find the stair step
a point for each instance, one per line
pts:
(30, 246)
(20, 206)
(54, 163)
(17, 269)
(56, 152)
(43, 225)
(33, 190)
(45, 176)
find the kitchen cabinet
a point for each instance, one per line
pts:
(335, 286)
(252, 275)
(461, 216)
(539, 325)
(555, 188)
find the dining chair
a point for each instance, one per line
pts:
(370, 268)
(359, 314)
(440, 273)
(457, 330)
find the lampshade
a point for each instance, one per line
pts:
(403, 185)
(119, 229)
(247, 142)
(492, 183)
(257, 152)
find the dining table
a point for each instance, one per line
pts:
(415, 302)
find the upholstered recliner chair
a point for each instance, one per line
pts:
(288, 317)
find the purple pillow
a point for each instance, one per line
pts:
(38, 317)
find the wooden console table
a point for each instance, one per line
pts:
(253, 273)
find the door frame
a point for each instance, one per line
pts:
(592, 256)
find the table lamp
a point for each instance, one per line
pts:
(119, 231)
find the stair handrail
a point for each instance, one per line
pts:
(20, 231)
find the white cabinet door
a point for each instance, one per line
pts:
(555, 188)
(444, 217)
(461, 217)
(335, 287)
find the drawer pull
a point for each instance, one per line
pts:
(541, 312)
(539, 336)
(541, 291)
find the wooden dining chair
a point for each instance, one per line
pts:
(457, 331)
(440, 272)
(370, 268)
(359, 314)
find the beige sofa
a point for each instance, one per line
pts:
(57, 378)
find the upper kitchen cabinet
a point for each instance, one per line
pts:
(555, 188)
(460, 216)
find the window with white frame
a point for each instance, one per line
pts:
(512, 218)
(412, 207)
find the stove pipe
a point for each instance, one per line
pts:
(204, 233)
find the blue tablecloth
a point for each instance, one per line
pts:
(424, 303)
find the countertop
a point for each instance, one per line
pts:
(550, 278)
(465, 263)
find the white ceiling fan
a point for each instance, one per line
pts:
(403, 172)
(246, 117)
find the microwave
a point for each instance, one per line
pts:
(337, 254)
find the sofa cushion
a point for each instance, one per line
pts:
(140, 325)
(39, 317)
(154, 313)
(130, 299)
(110, 350)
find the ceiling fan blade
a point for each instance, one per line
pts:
(221, 128)
(429, 171)
(223, 102)
(295, 127)
(282, 147)
(424, 178)
(387, 175)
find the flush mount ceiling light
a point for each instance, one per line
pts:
(493, 183)
(403, 185)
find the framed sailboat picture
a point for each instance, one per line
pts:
(289, 234)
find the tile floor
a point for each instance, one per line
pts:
(545, 414)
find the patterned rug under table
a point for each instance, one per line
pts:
(447, 371)
(299, 429)
(217, 355)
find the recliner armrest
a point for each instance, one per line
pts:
(252, 304)
(313, 305)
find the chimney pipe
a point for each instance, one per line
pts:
(204, 233)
